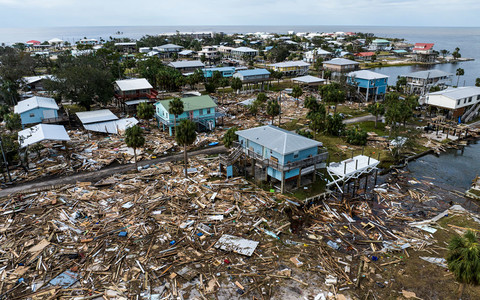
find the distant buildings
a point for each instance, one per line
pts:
(200, 109)
(126, 47)
(291, 68)
(312, 55)
(365, 55)
(168, 49)
(461, 103)
(36, 109)
(253, 75)
(379, 45)
(242, 52)
(371, 85)
(340, 65)
(421, 82)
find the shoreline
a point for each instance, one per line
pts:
(406, 64)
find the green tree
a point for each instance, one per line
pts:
(393, 114)
(185, 135)
(4, 110)
(334, 125)
(456, 54)
(459, 72)
(175, 108)
(463, 259)
(273, 109)
(84, 80)
(296, 93)
(13, 122)
(444, 52)
(236, 84)
(262, 98)
(377, 109)
(356, 136)
(401, 82)
(230, 137)
(134, 138)
(317, 121)
(333, 93)
(145, 111)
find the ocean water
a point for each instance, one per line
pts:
(466, 38)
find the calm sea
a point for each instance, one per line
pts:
(466, 38)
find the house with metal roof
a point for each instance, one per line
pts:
(420, 82)
(225, 71)
(291, 68)
(252, 75)
(424, 52)
(131, 92)
(379, 45)
(283, 155)
(36, 83)
(462, 103)
(309, 80)
(241, 52)
(186, 66)
(36, 110)
(200, 109)
(42, 132)
(104, 121)
(340, 65)
(371, 85)
(169, 48)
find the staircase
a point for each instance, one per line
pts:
(232, 157)
(470, 113)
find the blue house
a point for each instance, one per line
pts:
(200, 109)
(225, 71)
(36, 110)
(284, 155)
(370, 84)
(253, 75)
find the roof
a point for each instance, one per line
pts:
(185, 52)
(35, 102)
(34, 42)
(459, 93)
(277, 139)
(191, 103)
(380, 41)
(169, 46)
(400, 51)
(423, 46)
(126, 44)
(55, 41)
(341, 62)
(428, 74)
(219, 69)
(133, 84)
(244, 49)
(308, 79)
(286, 64)
(33, 79)
(114, 126)
(366, 74)
(40, 133)
(363, 54)
(253, 72)
(95, 116)
(320, 51)
(186, 64)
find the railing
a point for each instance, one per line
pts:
(55, 120)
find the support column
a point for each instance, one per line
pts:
(253, 168)
(366, 184)
(282, 186)
(299, 179)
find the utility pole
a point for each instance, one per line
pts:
(5, 160)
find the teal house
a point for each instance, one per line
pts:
(225, 71)
(200, 109)
(283, 155)
(36, 110)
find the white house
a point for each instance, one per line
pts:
(312, 55)
(461, 102)
(240, 52)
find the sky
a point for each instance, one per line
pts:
(52, 13)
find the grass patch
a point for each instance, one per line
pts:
(348, 111)
(369, 126)
(74, 108)
(313, 189)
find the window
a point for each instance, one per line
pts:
(32, 115)
(478, 97)
(200, 111)
(295, 154)
(464, 100)
(208, 110)
(458, 102)
(469, 99)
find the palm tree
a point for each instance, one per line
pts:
(134, 138)
(444, 52)
(377, 109)
(460, 72)
(176, 108)
(463, 259)
(273, 109)
(184, 136)
(297, 92)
